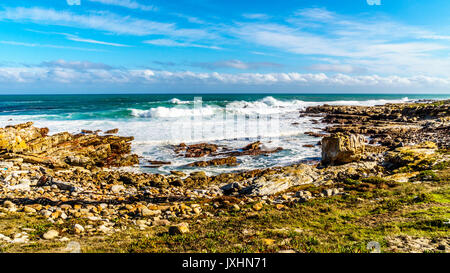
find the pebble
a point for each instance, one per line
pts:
(51, 234)
(258, 206)
(181, 228)
(78, 228)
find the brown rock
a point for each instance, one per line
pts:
(340, 149)
(181, 228)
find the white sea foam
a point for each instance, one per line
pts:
(177, 101)
(174, 112)
(234, 126)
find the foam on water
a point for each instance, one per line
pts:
(234, 124)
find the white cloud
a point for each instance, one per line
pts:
(173, 43)
(17, 43)
(127, 4)
(103, 21)
(258, 16)
(76, 65)
(76, 38)
(375, 44)
(341, 68)
(316, 14)
(236, 64)
(93, 73)
(92, 41)
(436, 37)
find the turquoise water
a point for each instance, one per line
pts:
(78, 107)
(158, 121)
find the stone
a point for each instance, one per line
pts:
(117, 188)
(341, 149)
(5, 238)
(112, 131)
(28, 209)
(8, 204)
(104, 229)
(268, 242)
(78, 228)
(145, 212)
(51, 234)
(181, 228)
(34, 146)
(161, 222)
(273, 184)
(257, 206)
(229, 161)
(20, 187)
(287, 251)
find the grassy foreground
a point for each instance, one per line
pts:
(371, 210)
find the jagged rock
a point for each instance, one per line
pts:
(112, 131)
(62, 150)
(196, 150)
(229, 161)
(269, 185)
(418, 157)
(340, 149)
(179, 229)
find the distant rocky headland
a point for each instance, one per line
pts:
(384, 175)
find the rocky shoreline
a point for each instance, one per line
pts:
(72, 184)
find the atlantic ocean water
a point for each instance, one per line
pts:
(158, 121)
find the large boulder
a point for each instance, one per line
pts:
(341, 149)
(279, 182)
(413, 158)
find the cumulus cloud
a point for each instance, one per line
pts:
(93, 73)
(76, 65)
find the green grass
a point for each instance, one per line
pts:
(374, 209)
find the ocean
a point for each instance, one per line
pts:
(159, 121)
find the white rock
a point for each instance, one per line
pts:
(104, 229)
(51, 234)
(20, 238)
(20, 187)
(79, 228)
(117, 188)
(5, 238)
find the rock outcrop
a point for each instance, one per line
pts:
(391, 125)
(33, 145)
(229, 161)
(340, 149)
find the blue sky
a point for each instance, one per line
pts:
(91, 46)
